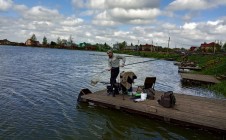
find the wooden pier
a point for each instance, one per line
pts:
(190, 68)
(193, 111)
(198, 78)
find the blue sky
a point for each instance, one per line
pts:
(186, 22)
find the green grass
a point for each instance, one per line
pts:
(211, 64)
(219, 88)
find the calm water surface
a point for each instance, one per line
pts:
(39, 89)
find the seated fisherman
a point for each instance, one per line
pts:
(126, 80)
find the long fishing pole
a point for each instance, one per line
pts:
(128, 65)
(140, 62)
(94, 82)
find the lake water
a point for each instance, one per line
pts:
(39, 89)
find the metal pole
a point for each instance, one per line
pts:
(168, 46)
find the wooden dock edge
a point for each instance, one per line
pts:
(151, 114)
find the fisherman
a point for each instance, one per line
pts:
(114, 64)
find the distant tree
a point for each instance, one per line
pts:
(106, 46)
(218, 47)
(70, 40)
(210, 50)
(131, 44)
(59, 41)
(63, 42)
(44, 42)
(122, 45)
(33, 38)
(53, 43)
(224, 46)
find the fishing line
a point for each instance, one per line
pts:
(163, 85)
(96, 77)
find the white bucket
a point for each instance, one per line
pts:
(130, 93)
(143, 96)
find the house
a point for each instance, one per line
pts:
(5, 42)
(148, 47)
(131, 48)
(90, 47)
(209, 46)
(30, 42)
(193, 49)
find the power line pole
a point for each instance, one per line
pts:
(168, 46)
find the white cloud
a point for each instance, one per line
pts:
(221, 29)
(71, 21)
(104, 23)
(97, 4)
(139, 21)
(115, 12)
(20, 8)
(5, 5)
(169, 26)
(41, 13)
(78, 3)
(134, 13)
(133, 4)
(104, 19)
(195, 4)
(110, 4)
(120, 33)
(214, 22)
(122, 16)
(189, 16)
(188, 4)
(87, 13)
(190, 26)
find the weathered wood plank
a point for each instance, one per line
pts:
(199, 111)
(190, 68)
(199, 77)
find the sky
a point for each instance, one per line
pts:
(186, 22)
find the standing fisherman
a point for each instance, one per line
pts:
(114, 64)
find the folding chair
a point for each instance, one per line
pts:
(149, 83)
(148, 86)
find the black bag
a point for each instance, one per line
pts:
(167, 99)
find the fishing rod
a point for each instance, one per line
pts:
(140, 62)
(94, 82)
(128, 65)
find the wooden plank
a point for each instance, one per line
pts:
(190, 68)
(200, 77)
(193, 110)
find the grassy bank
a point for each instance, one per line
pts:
(212, 64)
